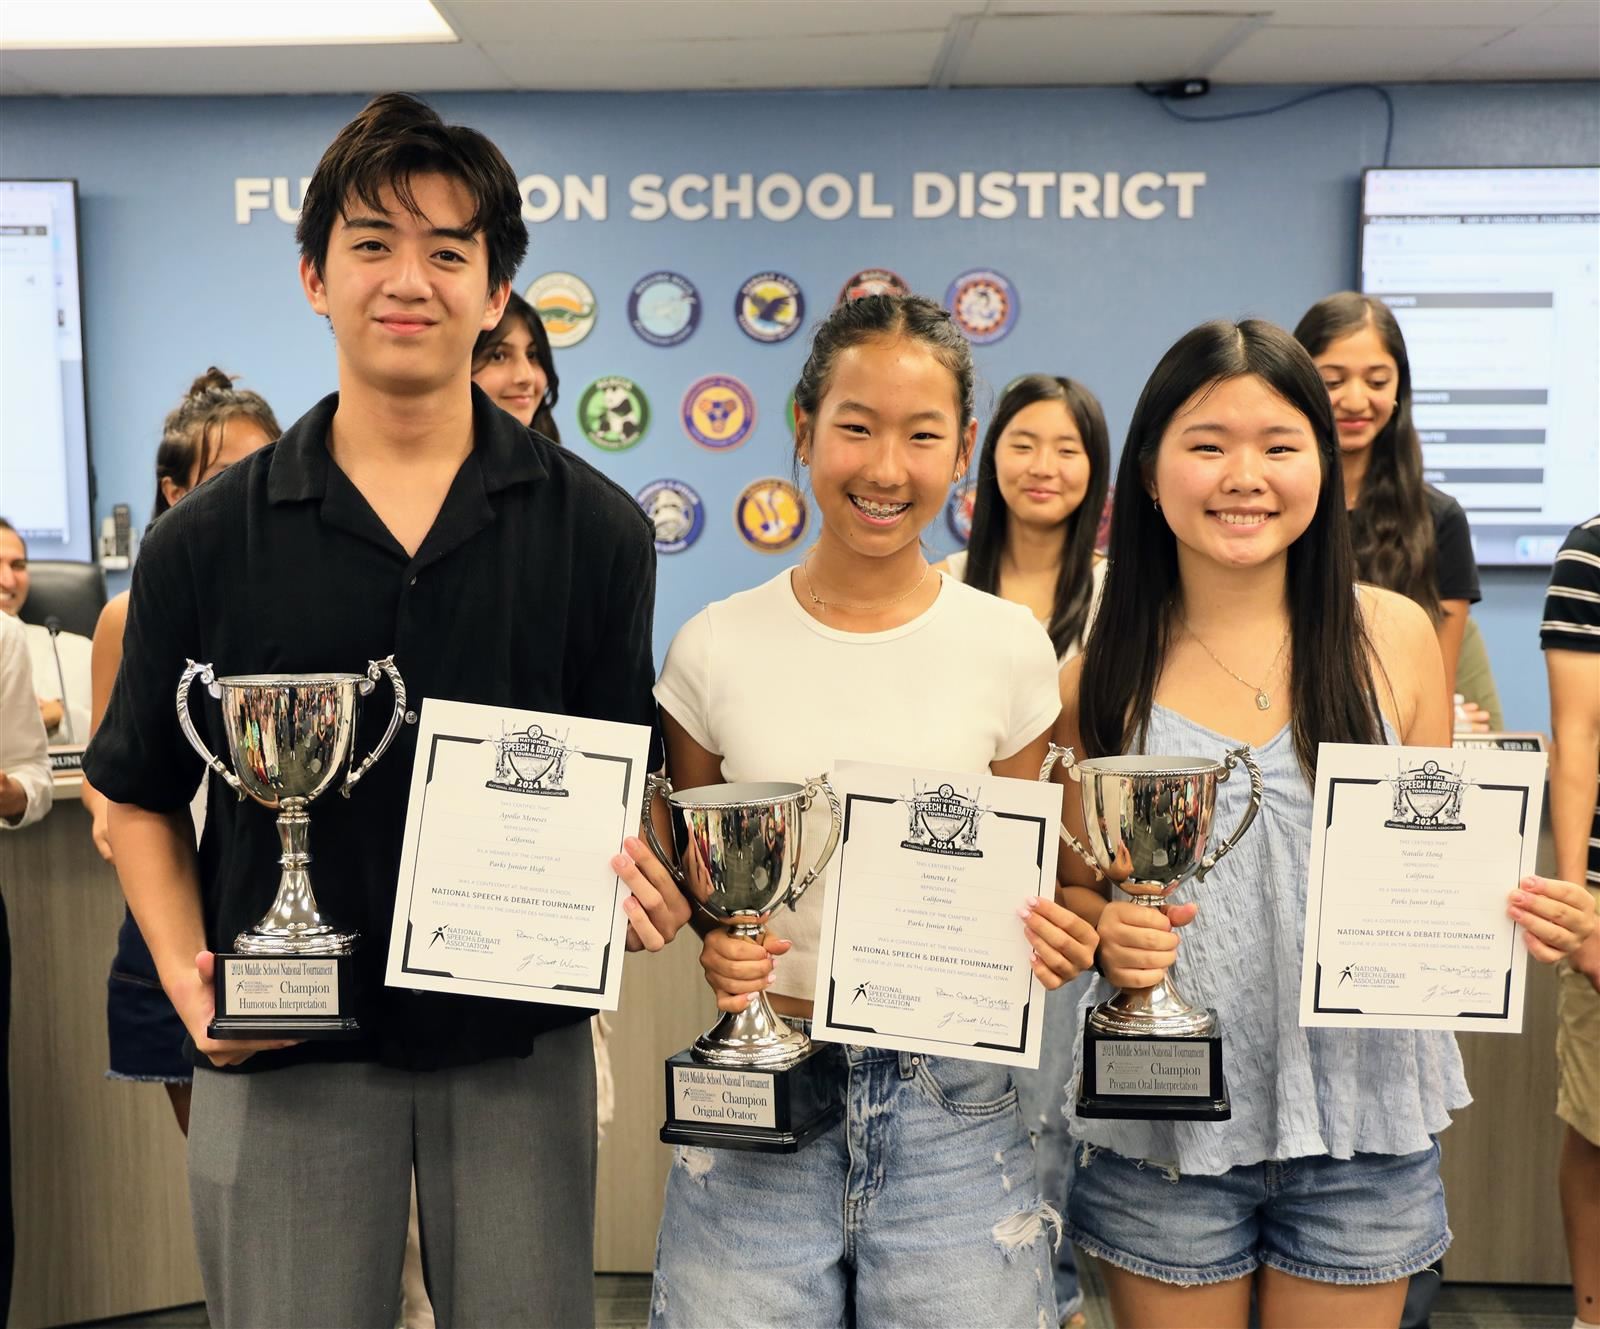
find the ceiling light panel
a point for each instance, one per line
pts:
(43, 25)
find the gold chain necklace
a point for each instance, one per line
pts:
(825, 605)
(1263, 700)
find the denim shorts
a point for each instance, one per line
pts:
(1374, 1218)
(145, 1035)
(919, 1208)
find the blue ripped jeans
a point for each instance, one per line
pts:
(1043, 1094)
(919, 1208)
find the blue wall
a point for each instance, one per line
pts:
(173, 284)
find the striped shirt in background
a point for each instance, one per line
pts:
(1572, 621)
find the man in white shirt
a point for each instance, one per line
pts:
(61, 674)
(24, 761)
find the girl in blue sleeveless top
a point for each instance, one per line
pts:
(1231, 615)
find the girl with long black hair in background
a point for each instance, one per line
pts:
(1406, 535)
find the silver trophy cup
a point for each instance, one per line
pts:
(291, 737)
(1148, 821)
(742, 862)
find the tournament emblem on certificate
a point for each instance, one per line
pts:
(944, 822)
(921, 949)
(506, 888)
(1414, 852)
(530, 763)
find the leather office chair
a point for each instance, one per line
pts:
(75, 593)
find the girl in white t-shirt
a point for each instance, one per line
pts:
(920, 1207)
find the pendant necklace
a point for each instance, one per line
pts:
(825, 605)
(1263, 699)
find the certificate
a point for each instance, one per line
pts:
(1414, 852)
(506, 888)
(921, 947)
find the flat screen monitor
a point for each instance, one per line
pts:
(1494, 276)
(44, 427)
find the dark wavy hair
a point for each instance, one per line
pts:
(544, 419)
(1391, 526)
(393, 139)
(1331, 685)
(877, 316)
(1069, 614)
(192, 431)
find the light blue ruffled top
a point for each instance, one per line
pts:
(1295, 1092)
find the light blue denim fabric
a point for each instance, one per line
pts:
(1374, 1218)
(1042, 1095)
(920, 1208)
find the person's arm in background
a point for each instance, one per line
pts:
(1451, 628)
(107, 659)
(1570, 636)
(1478, 711)
(1456, 568)
(1575, 773)
(25, 790)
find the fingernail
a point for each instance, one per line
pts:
(1034, 902)
(770, 979)
(1519, 897)
(1024, 913)
(1518, 914)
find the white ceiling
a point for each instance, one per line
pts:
(707, 45)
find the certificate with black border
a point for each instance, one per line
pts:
(921, 948)
(1414, 854)
(505, 887)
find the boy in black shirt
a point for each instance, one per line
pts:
(406, 515)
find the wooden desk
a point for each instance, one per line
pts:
(98, 1182)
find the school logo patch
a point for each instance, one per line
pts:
(873, 281)
(613, 413)
(664, 308)
(565, 306)
(770, 515)
(984, 305)
(676, 512)
(958, 511)
(719, 412)
(769, 307)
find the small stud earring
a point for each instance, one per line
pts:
(1156, 501)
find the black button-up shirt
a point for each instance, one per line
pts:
(534, 588)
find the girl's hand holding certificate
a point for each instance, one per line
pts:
(1557, 917)
(1063, 944)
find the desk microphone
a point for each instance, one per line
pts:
(52, 625)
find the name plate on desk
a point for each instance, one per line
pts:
(1501, 742)
(67, 759)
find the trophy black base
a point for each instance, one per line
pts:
(284, 996)
(769, 1111)
(1152, 1079)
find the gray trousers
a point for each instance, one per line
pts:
(300, 1181)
